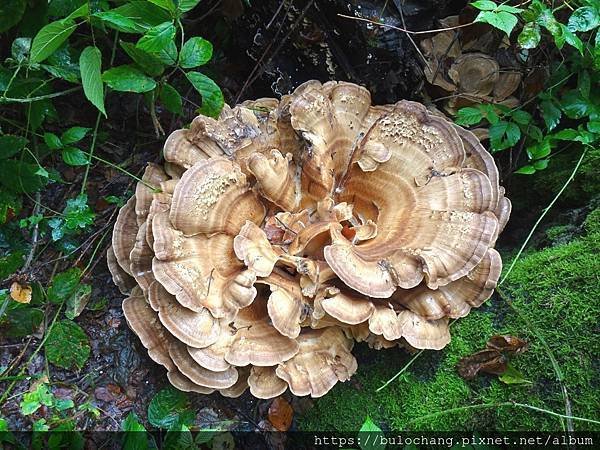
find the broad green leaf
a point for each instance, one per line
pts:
(584, 19)
(179, 437)
(78, 300)
(77, 213)
(165, 4)
(484, 5)
(509, 9)
(584, 83)
(521, 117)
(62, 404)
(59, 72)
(594, 126)
(187, 5)
(212, 97)
(74, 134)
(504, 135)
(64, 285)
(540, 150)
(52, 141)
(369, 439)
(64, 335)
(74, 157)
(11, 12)
(534, 132)
(143, 12)
(135, 437)
(22, 321)
(119, 22)
(572, 39)
(157, 38)
(169, 407)
(32, 401)
(530, 36)
(502, 20)
(128, 79)
(550, 113)
(168, 55)
(62, 8)
(90, 63)
(195, 52)
(171, 99)
(526, 170)
(568, 134)
(148, 62)
(10, 145)
(575, 106)
(541, 164)
(82, 11)
(513, 376)
(17, 176)
(469, 116)
(49, 38)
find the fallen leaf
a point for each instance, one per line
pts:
(513, 376)
(505, 343)
(488, 361)
(20, 293)
(281, 414)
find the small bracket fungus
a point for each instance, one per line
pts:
(286, 231)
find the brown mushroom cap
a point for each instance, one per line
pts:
(475, 73)
(184, 384)
(264, 382)
(124, 234)
(424, 334)
(212, 357)
(122, 279)
(323, 359)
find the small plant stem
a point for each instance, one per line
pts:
(406, 366)
(41, 97)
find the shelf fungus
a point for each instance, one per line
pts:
(277, 236)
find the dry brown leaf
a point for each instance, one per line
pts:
(281, 414)
(488, 361)
(20, 293)
(505, 343)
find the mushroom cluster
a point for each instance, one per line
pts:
(470, 68)
(275, 237)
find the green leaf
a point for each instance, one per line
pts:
(66, 334)
(52, 141)
(572, 39)
(77, 213)
(502, 20)
(187, 5)
(179, 437)
(11, 12)
(90, 63)
(64, 285)
(584, 19)
(521, 117)
(157, 38)
(469, 116)
(143, 12)
(17, 176)
(509, 9)
(526, 170)
(513, 376)
(212, 97)
(550, 113)
(10, 145)
(74, 157)
(78, 301)
(195, 52)
(530, 36)
(82, 11)
(568, 134)
(169, 407)
(128, 79)
(594, 126)
(32, 401)
(146, 61)
(168, 55)
(504, 135)
(62, 404)
(541, 164)
(484, 5)
(10, 202)
(135, 437)
(369, 439)
(167, 5)
(74, 134)
(21, 321)
(49, 38)
(20, 49)
(575, 106)
(540, 150)
(171, 99)
(120, 22)
(584, 83)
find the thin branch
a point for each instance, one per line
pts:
(362, 19)
(41, 97)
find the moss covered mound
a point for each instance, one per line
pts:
(556, 289)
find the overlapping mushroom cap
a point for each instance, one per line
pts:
(281, 233)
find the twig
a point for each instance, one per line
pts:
(41, 97)
(35, 234)
(362, 19)
(406, 366)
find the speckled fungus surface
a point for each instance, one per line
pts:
(285, 231)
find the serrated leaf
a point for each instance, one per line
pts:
(34, 400)
(171, 99)
(10, 145)
(128, 79)
(187, 5)
(521, 117)
(484, 5)
(169, 407)
(74, 134)
(540, 150)
(64, 285)
(584, 19)
(195, 52)
(212, 97)
(568, 134)
(550, 113)
(468, 116)
(49, 38)
(502, 20)
(575, 106)
(146, 61)
(120, 22)
(66, 334)
(504, 135)
(526, 170)
(157, 38)
(90, 64)
(530, 36)
(52, 141)
(136, 437)
(74, 157)
(11, 12)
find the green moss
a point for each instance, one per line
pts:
(556, 290)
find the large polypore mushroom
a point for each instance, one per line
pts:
(284, 231)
